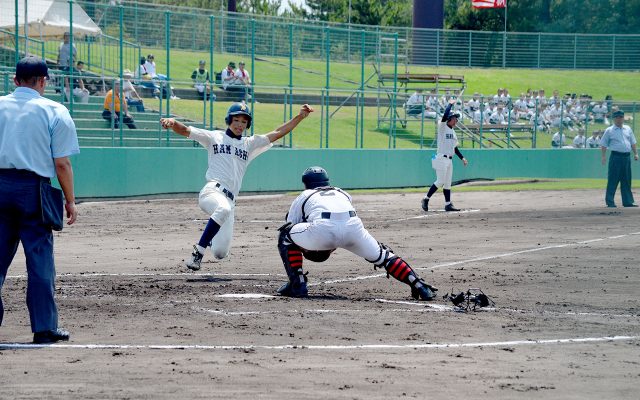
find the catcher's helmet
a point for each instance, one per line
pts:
(314, 177)
(238, 109)
(317, 255)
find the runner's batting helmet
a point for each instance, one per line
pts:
(314, 177)
(238, 109)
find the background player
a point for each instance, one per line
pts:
(229, 155)
(442, 160)
(322, 219)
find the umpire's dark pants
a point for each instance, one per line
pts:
(21, 221)
(619, 172)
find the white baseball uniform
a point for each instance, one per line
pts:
(325, 219)
(441, 161)
(228, 160)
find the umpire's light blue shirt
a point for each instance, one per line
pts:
(618, 139)
(33, 131)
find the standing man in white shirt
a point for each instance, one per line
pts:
(229, 156)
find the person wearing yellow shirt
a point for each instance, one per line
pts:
(113, 104)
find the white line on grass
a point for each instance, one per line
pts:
(407, 346)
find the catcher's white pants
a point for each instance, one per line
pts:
(340, 231)
(444, 170)
(220, 209)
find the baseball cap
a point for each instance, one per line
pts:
(241, 63)
(30, 67)
(202, 62)
(618, 113)
(232, 64)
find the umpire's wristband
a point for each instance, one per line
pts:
(460, 156)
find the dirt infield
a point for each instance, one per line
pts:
(561, 268)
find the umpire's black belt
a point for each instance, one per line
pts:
(225, 191)
(22, 174)
(620, 153)
(446, 156)
(329, 215)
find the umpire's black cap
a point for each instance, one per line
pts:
(618, 114)
(30, 67)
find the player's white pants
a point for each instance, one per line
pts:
(220, 209)
(328, 234)
(444, 170)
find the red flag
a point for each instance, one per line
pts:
(488, 3)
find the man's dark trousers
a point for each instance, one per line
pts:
(21, 221)
(619, 172)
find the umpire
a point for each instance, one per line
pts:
(37, 136)
(620, 140)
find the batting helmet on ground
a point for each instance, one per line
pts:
(238, 109)
(314, 177)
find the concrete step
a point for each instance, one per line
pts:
(133, 142)
(93, 123)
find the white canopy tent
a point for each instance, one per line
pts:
(45, 18)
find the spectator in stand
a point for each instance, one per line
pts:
(244, 80)
(201, 80)
(498, 117)
(558, 140)
(600, 113)
(521, 108)
(65, 59)
(230, 82)
(150, 66)
(580, 141)
(80, 93)
(113, 105)
(481, 115)
(555, 98)
(594, 140)
(473, 104)
(539, 118)
(541, 97)
(498, 96)
(144, 78)
(415, 104)
(506, 96)
(130, 94)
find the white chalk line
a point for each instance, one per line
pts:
(435, 213)
(150, 274)
(419, 306)
(407, 346)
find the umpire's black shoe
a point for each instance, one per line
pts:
(50, 336)
(423, 291)
(630, 205)
(425, 203)
(450, 207)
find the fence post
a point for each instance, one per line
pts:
(120, 67)
(16, 36)
(362, 103)
(504, 49)
(167, 23)
(328, 56)
(212, 76)
(395, 87)
(575, 49)
(470, 42)
(539, 40)
(253, 64)
(70, 66)
(290, 97)
(613, 53)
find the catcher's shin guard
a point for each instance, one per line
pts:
(292, 260)
(399, 269)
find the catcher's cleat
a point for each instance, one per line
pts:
(196, 258)
(294, 290)
(450, 207)
(425, 204)
(423, 291)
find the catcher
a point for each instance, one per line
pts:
(320, 220)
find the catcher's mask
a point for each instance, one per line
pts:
(238, 109)
(317, 255)
(314, 177)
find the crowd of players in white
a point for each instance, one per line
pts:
(533, 108)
